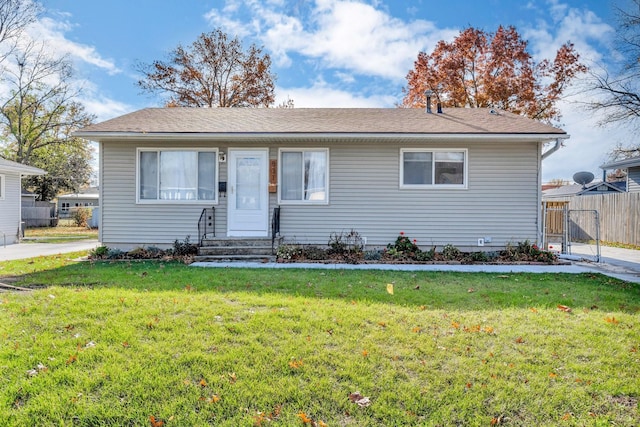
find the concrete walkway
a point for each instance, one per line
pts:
(623, 264)
(30, 250)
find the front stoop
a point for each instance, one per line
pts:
(236, 249)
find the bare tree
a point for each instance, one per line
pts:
(214, 71)
(15, 15)
(620, 89)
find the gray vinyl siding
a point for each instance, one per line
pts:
(501, 200)
(633, 180)
(10, 208)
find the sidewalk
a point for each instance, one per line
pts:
(29, 250)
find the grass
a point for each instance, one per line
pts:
(114, 344)
(59, 234)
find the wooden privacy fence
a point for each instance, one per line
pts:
(43, 214)
(619, 216)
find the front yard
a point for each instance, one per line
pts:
(158, 343)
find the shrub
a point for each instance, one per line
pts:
(404, 245)
(80, 217)
(526, 251)
(426, 255)
(451, 253)
(478, 256)
(314, 253)
(99, 253)
(184, 248)
(289, 252)
(345, 243)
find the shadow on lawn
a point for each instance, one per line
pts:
(433, 290)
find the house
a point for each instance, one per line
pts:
(466, 177)
(86, 198)
(11, 174)
(590, 189)
(632, 166)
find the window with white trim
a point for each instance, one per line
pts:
(304, 176)
(425, 168)
(177, 175)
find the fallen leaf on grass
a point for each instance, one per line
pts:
(612, 320)
(470, 290)
(390, 288)
(304, 418)
(519, 340)
(72, 359)
(359, 399)
(155, 422)
(533, 310)
(296, 364)
(564, 308)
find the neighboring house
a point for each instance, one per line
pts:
(86, 198)
(449, 178)
(591, 189)
(632, 166)
(11, 174)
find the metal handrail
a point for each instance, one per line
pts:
(206, 224)
(275, 227)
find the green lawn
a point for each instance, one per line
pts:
(60, 234)
(144, 343)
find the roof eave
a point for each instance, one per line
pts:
(168, 136)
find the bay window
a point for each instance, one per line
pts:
(177, 175)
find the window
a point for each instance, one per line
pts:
(304, 176)
(64, 207)
(177, 175)
(433, 168)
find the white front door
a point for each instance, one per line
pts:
(248, 195)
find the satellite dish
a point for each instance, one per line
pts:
(583, 178)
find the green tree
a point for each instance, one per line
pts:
(38, 117)
(214, 71)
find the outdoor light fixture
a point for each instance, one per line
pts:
(222, 157)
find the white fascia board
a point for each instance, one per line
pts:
(119, 136)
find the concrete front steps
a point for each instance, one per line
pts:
(236, 249)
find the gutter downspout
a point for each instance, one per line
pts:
(541, 220)
(552, 150)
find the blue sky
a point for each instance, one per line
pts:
(329, 53)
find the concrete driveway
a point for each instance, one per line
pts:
(29, 250)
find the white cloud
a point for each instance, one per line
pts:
(343, 34)
(53, 34)
(321, 95)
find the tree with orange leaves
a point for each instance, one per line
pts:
(479, 69)
(214, 71)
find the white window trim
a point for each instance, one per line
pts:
(465, 177)
(176, 202)
(2, 187)
(302, 202)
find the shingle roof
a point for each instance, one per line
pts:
(318, 120)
